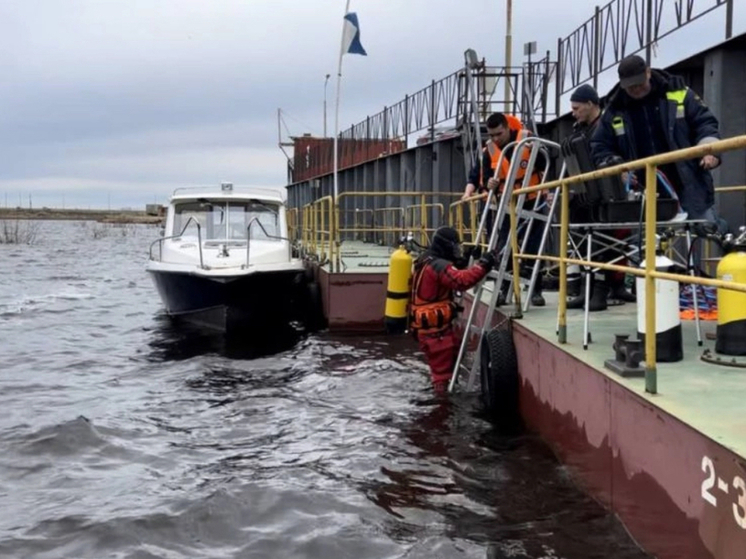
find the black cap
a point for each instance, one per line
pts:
(585, 93)
(632, 71)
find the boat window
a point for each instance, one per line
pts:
(241, 214)
(221, 220)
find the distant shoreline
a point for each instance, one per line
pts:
(104, 216)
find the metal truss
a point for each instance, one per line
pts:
(625, 27)
(616, 30)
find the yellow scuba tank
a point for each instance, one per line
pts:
(397, 293)
(731, 328)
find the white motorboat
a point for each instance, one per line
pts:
(225, 261)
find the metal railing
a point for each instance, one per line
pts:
(317, 229)
(650, 164)
(326, 224)
(266, 234)
(159, 242)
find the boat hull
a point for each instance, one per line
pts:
(231, 302)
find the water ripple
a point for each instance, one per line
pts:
(127, 436)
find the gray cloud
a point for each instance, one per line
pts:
(135, 98)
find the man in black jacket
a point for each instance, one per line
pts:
(586, 108)
(651, 112)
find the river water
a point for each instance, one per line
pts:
(125, 436)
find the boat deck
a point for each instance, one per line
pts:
(707, 397)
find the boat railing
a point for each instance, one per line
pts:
(266, 234)
(160, 241)
(648, 272)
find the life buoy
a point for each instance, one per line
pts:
(498, 372)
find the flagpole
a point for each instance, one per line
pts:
(336, 112)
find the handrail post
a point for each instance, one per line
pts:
(564, 234)
(651, 376)
(514, 248)
(423, 219)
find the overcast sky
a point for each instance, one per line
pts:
(114, 103)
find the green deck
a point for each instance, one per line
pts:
(709, 398)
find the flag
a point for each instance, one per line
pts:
(351, 35)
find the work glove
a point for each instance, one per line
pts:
(488, 260)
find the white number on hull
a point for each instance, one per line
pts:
(709, 483)
(739, 508)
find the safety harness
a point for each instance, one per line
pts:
(429, 316)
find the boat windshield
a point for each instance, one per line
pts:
(223, 220)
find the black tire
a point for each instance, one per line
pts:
(498, 372)
(314, 318)
(308, 274)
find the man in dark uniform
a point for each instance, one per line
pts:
(651, 112)
(586, 108)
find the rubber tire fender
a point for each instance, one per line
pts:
(498, 373)
(314, 319)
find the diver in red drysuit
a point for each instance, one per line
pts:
(433, 310)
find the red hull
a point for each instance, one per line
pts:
(665, 480)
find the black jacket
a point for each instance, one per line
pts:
(683, 120)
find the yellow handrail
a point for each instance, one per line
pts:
(650, 274)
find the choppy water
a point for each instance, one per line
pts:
(122, 436)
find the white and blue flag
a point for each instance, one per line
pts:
(351, 35)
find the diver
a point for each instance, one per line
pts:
(436, 279)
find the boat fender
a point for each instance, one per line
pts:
(730, 338)
(397, 293)
(498, 368)
(314, 319)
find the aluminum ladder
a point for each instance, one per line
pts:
(501, 274)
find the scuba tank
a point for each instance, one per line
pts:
(731, 327)
(669, 341)
(398, 290)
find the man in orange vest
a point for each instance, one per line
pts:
(502, 130)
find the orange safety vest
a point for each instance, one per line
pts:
(495, 152)
(426, 316)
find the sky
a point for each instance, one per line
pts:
(113, 104)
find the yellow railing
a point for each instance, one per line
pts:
(326, 224)
(293, 229)
(317, 233)
(650, 164)
(468, 230)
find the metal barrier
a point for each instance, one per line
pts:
(293, 227)
(468, 231)
(159, 241)
(317, 233)
(327, 224)
(650, 164)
